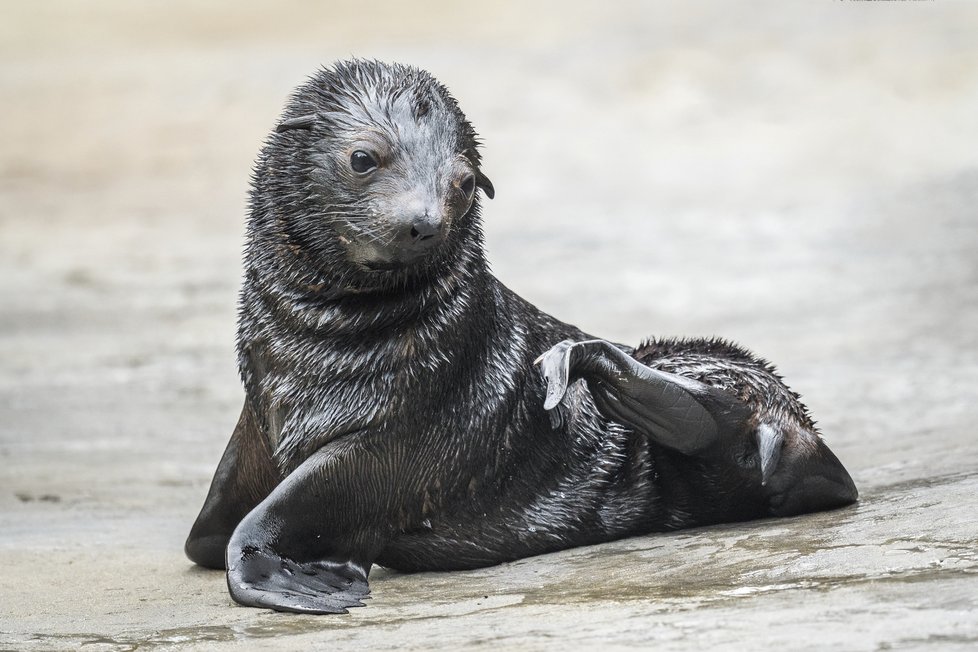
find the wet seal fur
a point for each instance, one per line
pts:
(393, 411)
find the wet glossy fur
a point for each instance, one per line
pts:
(398, 410)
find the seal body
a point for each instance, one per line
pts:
(398, 409)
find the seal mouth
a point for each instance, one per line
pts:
(393, 265)
(382, 266)
(400, 259)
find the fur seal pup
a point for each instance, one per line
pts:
(393, 412)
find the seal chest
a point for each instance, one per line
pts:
(393, 411)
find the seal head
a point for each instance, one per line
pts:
(380, 170)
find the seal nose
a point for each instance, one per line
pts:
(425, 230)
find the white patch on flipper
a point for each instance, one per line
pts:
(769, 443)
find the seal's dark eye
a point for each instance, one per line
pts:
(362, 162)
(468, 185)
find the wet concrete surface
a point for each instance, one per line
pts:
(799, 177)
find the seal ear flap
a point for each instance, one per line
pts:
(482, 181)
(302, 122)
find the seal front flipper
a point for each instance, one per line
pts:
(308, 547)
(262, 578)
(676, 412)
(243, 478)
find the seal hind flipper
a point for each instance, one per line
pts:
(790, 466)
(243, 478)
(308, 547)
(680, 413)
(807, 477)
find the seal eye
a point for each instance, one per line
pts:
(468, 185)
(362, 162)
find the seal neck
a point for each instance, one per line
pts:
(314, 301)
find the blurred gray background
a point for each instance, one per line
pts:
(799, 176)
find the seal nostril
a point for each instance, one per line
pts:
(414, 233)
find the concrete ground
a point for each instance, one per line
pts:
(801, 177)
